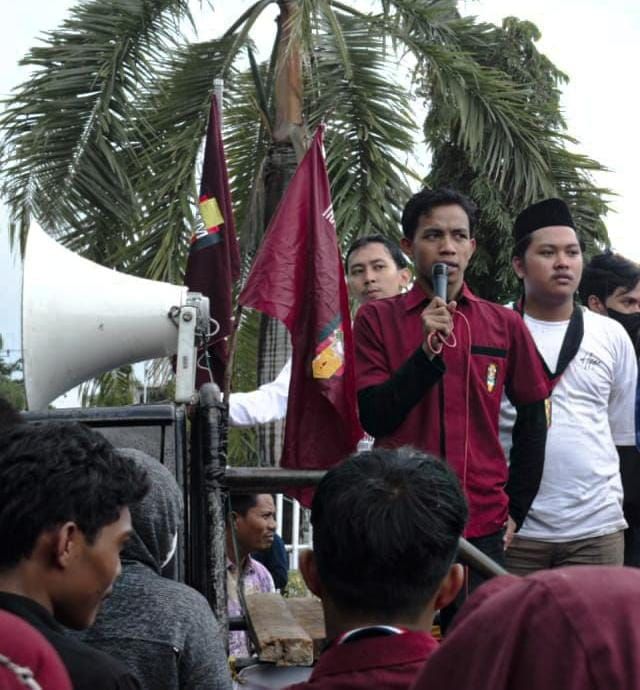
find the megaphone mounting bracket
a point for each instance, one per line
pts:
(193, 322)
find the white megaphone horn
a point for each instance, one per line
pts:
(80, 319)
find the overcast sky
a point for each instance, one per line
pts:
(594, 42)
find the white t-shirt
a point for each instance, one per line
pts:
(592, 412)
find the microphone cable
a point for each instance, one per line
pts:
(437, 341)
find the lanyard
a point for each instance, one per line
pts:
(570, 343)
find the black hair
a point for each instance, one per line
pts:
(520, 247)
(423, 202)
(242, 503)
(55, 472)
(392, 247)
(9, 416)
(386, 525)
(605, 273)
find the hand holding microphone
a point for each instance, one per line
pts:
(437, 316)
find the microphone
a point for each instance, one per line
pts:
(439, 279)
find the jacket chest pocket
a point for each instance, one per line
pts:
(488, 364)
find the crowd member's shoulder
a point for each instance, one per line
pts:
(92, 668)
(193, 605)
(26, 654)
(262, 575)
(608, 334)
(603, 322)
(378, 308)
(505, 312)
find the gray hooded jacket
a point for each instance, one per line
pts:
(163, 630)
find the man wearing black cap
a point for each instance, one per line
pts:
(576, 517)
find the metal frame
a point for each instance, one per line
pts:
(205, 482)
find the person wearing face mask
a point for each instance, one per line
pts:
(611, 286)
(159, 628)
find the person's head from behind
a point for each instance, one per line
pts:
(386, 525)
(156, 519)
(568, 628)
(438, 227)
(376, 268)
(547, 253)
(611, 286)
(251, 518)
(64, 516)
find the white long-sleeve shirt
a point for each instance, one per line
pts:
(266, 404)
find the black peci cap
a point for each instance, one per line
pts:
(542, 215)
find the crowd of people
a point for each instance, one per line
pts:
(511, 425)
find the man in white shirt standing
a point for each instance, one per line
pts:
(576, 517)
(611, 286)
(375, 268)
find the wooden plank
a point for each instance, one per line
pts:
(279, 637)
(309, 614)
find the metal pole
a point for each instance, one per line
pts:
(269, 479)
(295, 534)
(279, 511)
(477, 560)
(208, 455)
(218, 90)
(280, 521)
(266, 479)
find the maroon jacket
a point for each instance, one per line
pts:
(450, 406)
(571, 628)
(24, 646)
(378, 662)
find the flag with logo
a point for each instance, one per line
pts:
(297, 277)
(213, 264)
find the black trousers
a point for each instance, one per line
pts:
(491, 545)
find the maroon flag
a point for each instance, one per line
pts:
(214, 260)
(297, 277)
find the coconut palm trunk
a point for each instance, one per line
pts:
(274, 345)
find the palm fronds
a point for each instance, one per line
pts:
(101, 144)
(68, 130)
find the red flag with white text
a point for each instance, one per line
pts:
(297, 277)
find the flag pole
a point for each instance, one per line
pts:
(218, 92)
(233, 344)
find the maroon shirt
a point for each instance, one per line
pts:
(572, 628)
(378, 662)
(24, 646)
(457, 413)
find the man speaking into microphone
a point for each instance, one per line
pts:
(430, 371)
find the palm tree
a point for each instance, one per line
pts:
(101, 143)
(513, 51)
